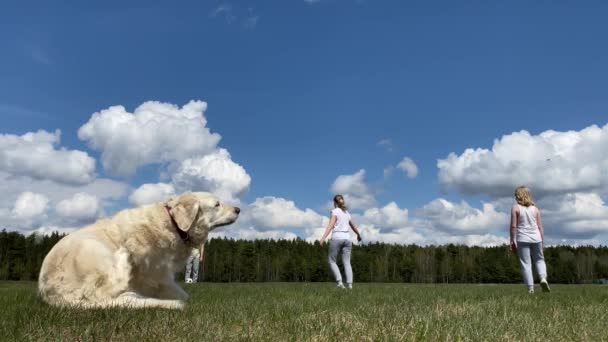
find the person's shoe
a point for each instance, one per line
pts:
(340, 285)
(349, 286)
(531, 290)
(189, 281)
(545, 285)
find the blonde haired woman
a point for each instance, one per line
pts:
(340, 224)
(527, 237)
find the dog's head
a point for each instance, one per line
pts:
(198, 213)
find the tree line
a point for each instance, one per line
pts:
(228, 260)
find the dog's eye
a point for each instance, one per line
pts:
(217, 204)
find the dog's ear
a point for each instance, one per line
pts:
(184, 210)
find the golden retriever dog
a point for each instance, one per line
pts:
(129, 260)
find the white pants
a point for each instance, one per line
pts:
(344, 246)
(192, 266)
(531, 253)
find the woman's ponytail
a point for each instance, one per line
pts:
(339, 202)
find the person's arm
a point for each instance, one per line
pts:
(539, 223)
(201, 252)
(513, 228)
(332, 222)
(352, 226)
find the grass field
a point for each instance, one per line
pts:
(319, 312)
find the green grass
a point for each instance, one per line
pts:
(319, 312)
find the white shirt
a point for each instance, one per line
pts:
(195, 252)
(341, 230)
(527, 227)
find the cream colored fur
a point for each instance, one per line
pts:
(129, 260)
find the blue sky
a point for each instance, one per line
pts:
(302, 92)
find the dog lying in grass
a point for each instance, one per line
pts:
(129, 260)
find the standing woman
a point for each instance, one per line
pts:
(527, 237)
(197, 256)
(339, 225)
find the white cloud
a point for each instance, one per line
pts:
(231, 14)
(12, 188)
(36, 174)
(485, 240)
(577, 215)
(403, 236)
(390, 216)
(151, 193)
(386, 143)
(550, 163)
(565, 170)
(80, 207)
(215, 173)
(275, 218)
(35, 155)
(408, 166)
(356, 192)
(271, 213)
(154, 133)
(48, 230)
(162, 133)
(30, 205)
(439, 222)
(224, 10)
(462, 218)
(253, 234)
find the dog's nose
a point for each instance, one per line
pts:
(237, 210)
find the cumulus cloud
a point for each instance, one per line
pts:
(565, 170)
(390, 216)
(576, 215)
(30, 205)
(279, 218)
(13, 187)
(462, 218)
(251, 233)
(408, 166)
(389, 224)
(402, 236)
(275, 218)
(271, 213)
(484, 240)
(151, 193)
(162, 133)
(36, 155)
(550, 163)
(356, 192)
(216, 173)
(154, 133)
(47, 230)
(80, 207)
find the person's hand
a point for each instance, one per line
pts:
(322, 242)
(201, 258)
(359, 238)
(513, 247)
